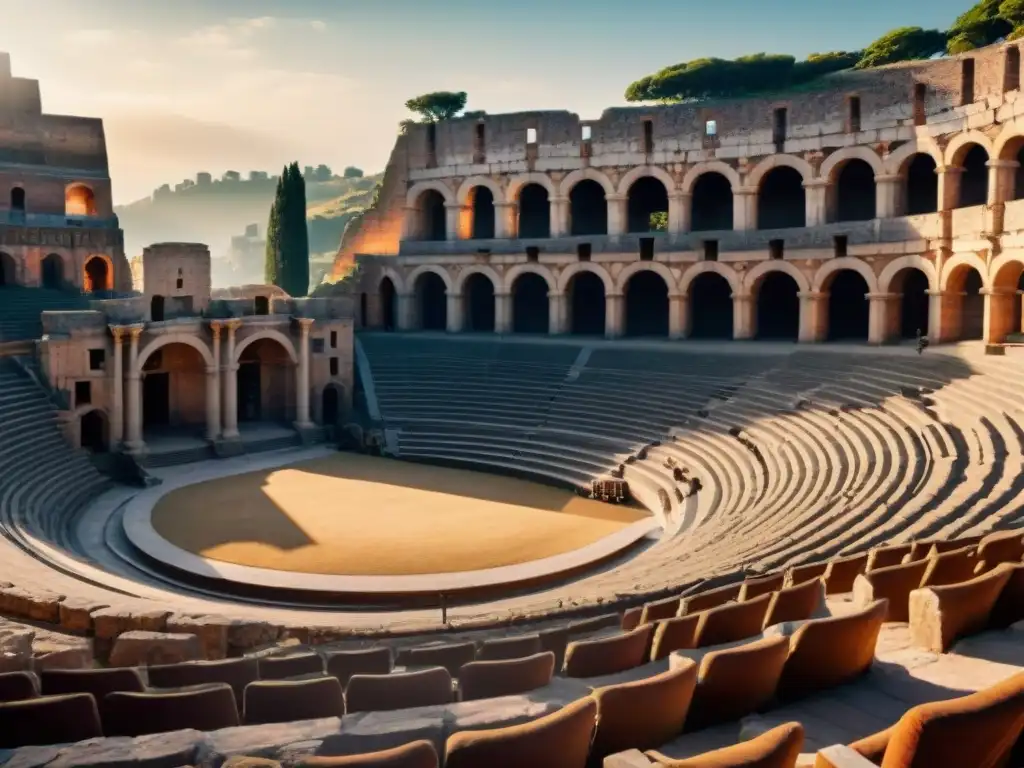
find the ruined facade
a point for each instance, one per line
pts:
(887, 204)
(57, 223)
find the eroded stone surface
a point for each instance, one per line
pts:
(15, 650)
(35, 604)
(139, 648)
(248, 635)
(76, 613)
(212, 632)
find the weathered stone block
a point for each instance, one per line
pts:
(265, 741)
(72, 657)
(138, 648)
(246, 635)
(111, 622)
(212, 632)
(16, 650)
(76, 614)
(160, 750)
(374, 731)
(35, 604)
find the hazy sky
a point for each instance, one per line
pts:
(189, 85)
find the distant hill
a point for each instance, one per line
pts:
(218, 210)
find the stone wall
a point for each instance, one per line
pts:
(178, 270)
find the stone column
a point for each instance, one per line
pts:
(744, 208)
(999, 310)
(679, 213)
(405, 304)
(230, 382)
(117, 391)
(502, 313)
(887, 195)
(556, 313)
(678, 316)
(410, 223)
(1001, 180)
(743, 316)
(943, 316)
(949, 186)
(213, 386)
(505, 220)
(134, 442)
(812, 309)
(878, 306)
(454, 312)
(302, 420)
(452, 221)
(613, 320)
(816, 201)
(559, 216)
(617, 214)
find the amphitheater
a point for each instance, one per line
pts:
(355, 529)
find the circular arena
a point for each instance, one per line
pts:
(543, 465)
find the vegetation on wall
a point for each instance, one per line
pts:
(437, 106)
(287, 250)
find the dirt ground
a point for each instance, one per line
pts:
(358, 515)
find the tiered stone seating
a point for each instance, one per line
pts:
(21, 308)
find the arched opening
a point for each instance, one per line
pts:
(1018, 173)
(854, 191)
(97, 275)
(647, 206)
(266, 383)
(173, 390)
(974, 177)
(778, 307)
(848, 306)
(432, 216)
(53, 271)
(588, 209)
(363, 315)
(646, 298)
(18, 199)
(261, 305)
(534, 212)
(478, 297)
(1005, 302)
(530, 304)
(712, 206)
(387, 304)
(156, 309)
(1017, 328)
(781, 200)
(911, 285)
(92, 431)
(710, 307)
(79, 200)
(965, 284)
(586, 302)
(431, 302)
(483, 213)
(331, 406)
(921, 185)
(8, 270)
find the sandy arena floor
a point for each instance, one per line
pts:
(358, 515)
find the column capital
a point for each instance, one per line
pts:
(558, 199)
(117, 331)
(1002, 164)
(742, 296)
(232, 325)
(215, 326)
(136, 331)
(455, 206)
(505, 204)
(812, 295)
(815, 183)
(950, 169)
(678, 194)
(502, 294)
(212, 370)
(615, 197)
(887, 178)
(556, 294)
(305, 323)
(881, 296)
(678, 297)
(745, 191)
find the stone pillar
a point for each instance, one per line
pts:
(678, 316)
(617, 214)
(999, 311)
(945, 316)
(887, 195)
(878, 307)
(302, 420)
(117, 391)
(213, 386)
(559, 216)
(743, 316)
(613, 319)
(816, 201)
(556, 313)
(949, 186)
(505, 220)
(454, 312)
(813, 306)
(1002, 178)
(134, 441)
(452, 220)
(230, 383)
(744, 208)
(679, 213)
(410, 223)
(502, 313)
(405, 307)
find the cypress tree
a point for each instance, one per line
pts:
(272, 267)
(297, 259)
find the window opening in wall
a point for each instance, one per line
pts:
(920, 91)
(83, 393)
(334, 339)
(181, 279)
(839, 242)
(648, 137)
(97, 359)
(531, 136)
(710, 250)
(967, 81)
(334, 366)
(18, 199)
(779, 129)
(1011, 74)
(532, 253)
(431, 145)
(586, 132)
(646, 249)
(156, 309)
(316, 346)
(776, 249)
(585, 147)
(711, 128)
(261, 305)
(583, 251)
(854, 114)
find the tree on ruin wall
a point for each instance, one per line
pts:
(437, 106)
(287, 254)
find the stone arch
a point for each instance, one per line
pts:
(586, 266)
(175, 338)
(8, 269)
(646, 300)
(895, 161)
(837, 159)
(479, 305)
(586, 296)
(582, 174)
(462, 196)
(646, 266)
(961, 143)
(1006, 144)
(417, 189)
(845, 262)
(519, 269)
(53, 270)
(529, 294)
(734, 280)
(79, 200)
(439, 271)
(397, 281)
(752, 277)
(431, 287)
(643, 171)
(801, 166)
(996, 270)
(92, 424)
(965, 280)
(269, 333)
(516, 184)
(711, 166)
(896, 266)
(92, 273)
(332, 404)
(961, 260)
(477, 269)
